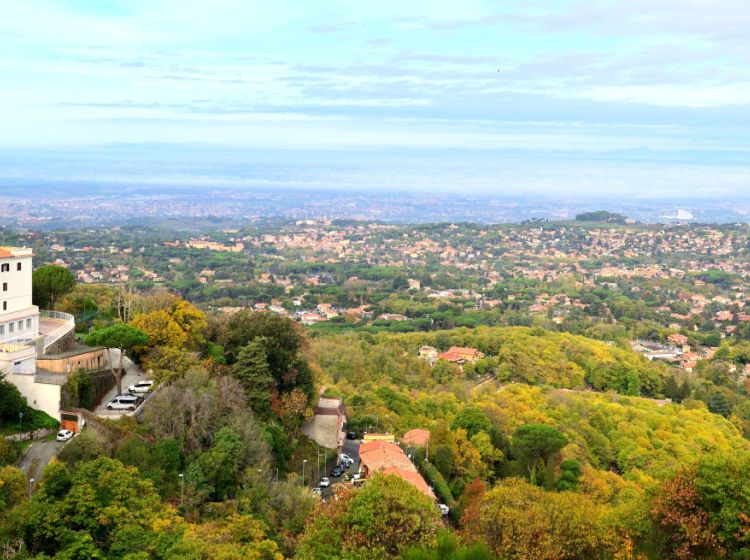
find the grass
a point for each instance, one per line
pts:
(32, 420)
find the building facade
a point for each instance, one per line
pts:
(19, 317)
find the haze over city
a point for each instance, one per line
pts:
(647, 100)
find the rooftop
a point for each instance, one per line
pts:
(6, 252)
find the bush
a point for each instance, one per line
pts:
(436, 480)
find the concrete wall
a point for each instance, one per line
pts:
(41, 396)
(65, 343)
(93, 360)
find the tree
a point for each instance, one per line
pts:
(719, 404)
(282, 338)
(161, 328)
(570, 472)
(448, 547)
(11, 400)
(93, 516)
(252, 371)
(375, 522)
(49, 283)
(685, 524)
(121, 336)
(473, 420)
(518, 521)
(443, 459)
(12, 487)
(535, 443)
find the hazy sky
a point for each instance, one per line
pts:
(589, 75)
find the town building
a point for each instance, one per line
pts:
(32, 340)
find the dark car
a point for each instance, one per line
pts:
(337, 471)
(351, 435)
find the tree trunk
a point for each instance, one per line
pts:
(112, 369)
(119, 373)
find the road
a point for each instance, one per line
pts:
(132, 374)
(37, 457)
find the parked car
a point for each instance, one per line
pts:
(64, 435)
(444, 510)
(317, 490)
(143, 386)
(346, 459)
(356, 476)
(351, 435)
(123, 402)
(325, 482)
(337, 471)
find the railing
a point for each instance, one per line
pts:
(68, 324)
(57, 315)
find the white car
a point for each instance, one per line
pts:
(141, 386)
(344, 458)
(317, 490)
(325, 482)
(64, 435)
(123, 402)
(444, 510)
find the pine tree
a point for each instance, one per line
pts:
(253, 371)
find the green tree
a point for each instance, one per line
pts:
(11, 400)
(121, 336)
(570, 472)
(94, 517)
(375, 522)
(49, 284)
(448, 547)
(12, 487)
(473, 420)
(253, 372)
(719, 404)
(533, 444)
(443, 459)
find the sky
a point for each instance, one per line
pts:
(449, 81)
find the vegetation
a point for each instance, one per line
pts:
(50, 283)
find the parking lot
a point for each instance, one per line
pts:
(350, 448)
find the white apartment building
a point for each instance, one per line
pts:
(19, 317)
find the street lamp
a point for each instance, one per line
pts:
(182, 489)
(304, 462)
(31, 486)
(318, 471)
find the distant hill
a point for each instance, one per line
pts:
(602, 216)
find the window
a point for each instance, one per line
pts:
(5, 267)
(28, 323)
(2, 329)
(18, 266)
(5, 306)
(5, 286)
(20, 325)
(11, 327)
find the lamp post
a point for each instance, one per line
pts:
(318, 471)
(182, 489)
(31, 486)
(304, 462)
(20, 421)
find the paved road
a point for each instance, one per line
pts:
(39, 454)
(132, 374)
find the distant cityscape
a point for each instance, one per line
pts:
(51, 205)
